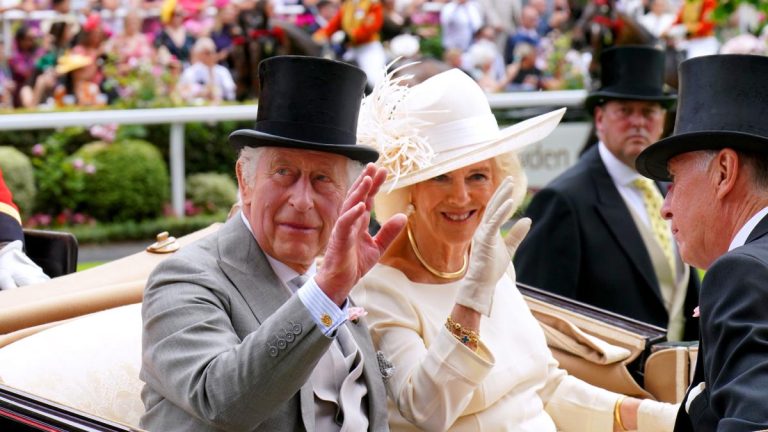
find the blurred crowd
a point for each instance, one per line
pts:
(171, 52)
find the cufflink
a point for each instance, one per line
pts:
(326, 320)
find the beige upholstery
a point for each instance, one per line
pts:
(89, 363)
(113, 284)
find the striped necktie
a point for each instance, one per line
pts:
(652, 200)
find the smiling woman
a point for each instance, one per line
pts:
(442, 304)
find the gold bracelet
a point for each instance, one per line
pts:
(466, 336)
(617, 412)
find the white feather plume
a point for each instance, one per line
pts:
(387, 125)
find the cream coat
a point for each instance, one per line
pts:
(512, 384)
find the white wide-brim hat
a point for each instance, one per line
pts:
(440, 125)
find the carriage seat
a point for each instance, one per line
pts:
(90, 363)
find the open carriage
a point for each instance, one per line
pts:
(70, 348)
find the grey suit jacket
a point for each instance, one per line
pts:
(226, 347)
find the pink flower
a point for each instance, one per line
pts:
(90, 169)
(696, 312)
(356, 313)
(38, 149)
(78, 164)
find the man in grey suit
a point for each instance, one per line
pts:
(242, 332)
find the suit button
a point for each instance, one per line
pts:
(281, 343)
(272, 350)
(295, 327)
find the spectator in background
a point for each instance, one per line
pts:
(552, 15)
(460, 20)
(81, 81)
(696, 16)
(7, 85)
(16, 269)
(131, 48)
(526, 33)
(485, 61)
(59, 34)
(659, 19)
(361, 22)
(523, 73)
(173, 39)
(205, 79)
(26, 53)
(503, 16)
(597, 234)
(224, 31)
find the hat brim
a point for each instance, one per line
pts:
(601, 97)
(652, 162)
(253, 138)
(512, 138)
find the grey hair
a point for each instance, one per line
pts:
(508, 164)
(250, 156)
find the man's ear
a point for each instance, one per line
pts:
(599, 114)
(242, 184)
(725, 171)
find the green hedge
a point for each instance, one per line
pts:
(146, 230)
(130, 183)
(211, 192)
(20, 178)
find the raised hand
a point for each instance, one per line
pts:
(352, 251)
(489, 258)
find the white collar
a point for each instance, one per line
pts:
(619, 172)
(283, 272)
(741, 237)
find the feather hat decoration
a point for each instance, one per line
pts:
(438, 126)
(386, 124)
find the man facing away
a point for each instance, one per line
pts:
(241, 330)
(717, 160)
(597, 236)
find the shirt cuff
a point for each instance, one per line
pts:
(323, 310)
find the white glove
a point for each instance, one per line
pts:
(655, 416)
(489, 258)
(16, 269)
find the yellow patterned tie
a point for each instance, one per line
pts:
(653, 201)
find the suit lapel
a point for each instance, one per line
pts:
(246, 266)
(377, 396)
(613, 210)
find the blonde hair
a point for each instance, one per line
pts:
(387, 205)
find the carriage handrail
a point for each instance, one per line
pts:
(178, 117)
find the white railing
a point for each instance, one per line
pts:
(178, 117)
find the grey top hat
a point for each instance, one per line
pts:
(723, 103)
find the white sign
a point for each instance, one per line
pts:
(546, 160)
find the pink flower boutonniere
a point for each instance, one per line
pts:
(355, 313)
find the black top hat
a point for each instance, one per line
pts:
(631, 72)
(722, 104)
(308, 103)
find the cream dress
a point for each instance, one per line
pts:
(511, 384)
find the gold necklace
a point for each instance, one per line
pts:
(434, 271)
